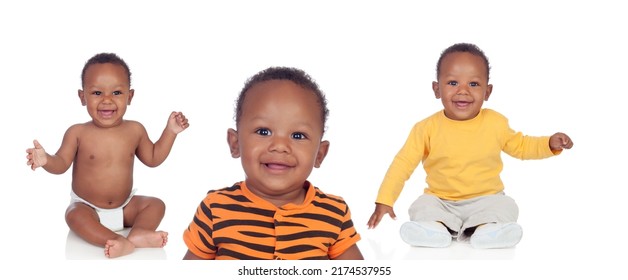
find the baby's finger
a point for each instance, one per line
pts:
(568, 145)
(392, 215)
(184, 122)
(374, 220)
(174, 115)
(36, 144)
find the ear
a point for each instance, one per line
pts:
(232, 140)
(489, 89)
(436, 89)
(322, 152)
(81, 96)
(131, 93)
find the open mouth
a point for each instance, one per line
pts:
(106, 113)
(462, 104)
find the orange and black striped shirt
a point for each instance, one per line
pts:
(234, 223)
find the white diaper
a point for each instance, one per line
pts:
(112, 219)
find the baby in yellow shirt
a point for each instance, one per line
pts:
(460, 148)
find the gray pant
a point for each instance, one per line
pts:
(461, 215)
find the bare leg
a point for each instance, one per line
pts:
(144, 214)
(84, 221)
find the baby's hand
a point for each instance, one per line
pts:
(560, 141)
(177, 122)
(36, 156)
(378, 214)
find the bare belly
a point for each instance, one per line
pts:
(104, 196)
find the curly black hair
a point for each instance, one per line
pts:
(105, 58)
(294, 75)
(463, 47)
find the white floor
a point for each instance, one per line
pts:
(378, 244)
(77, 249)
(552, 240)
(384, 243)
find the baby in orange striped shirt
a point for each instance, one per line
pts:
(275, 213)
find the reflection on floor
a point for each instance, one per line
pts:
(78, 249)
(384, 243)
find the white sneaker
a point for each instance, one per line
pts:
(493, 236)
(425, 234)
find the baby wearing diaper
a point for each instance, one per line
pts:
(112, 219)
(102, 152)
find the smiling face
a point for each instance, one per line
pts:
(462, 85)
(106, 93)
(278, 140)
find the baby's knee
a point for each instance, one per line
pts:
(78, 213)
(158, 204)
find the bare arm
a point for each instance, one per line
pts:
(59, 162)
(190, 256)
(154, 154)
(353, 253)
(378, 214)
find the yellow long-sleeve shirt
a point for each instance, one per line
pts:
(462, 159)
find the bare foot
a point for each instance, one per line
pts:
(118, 247)
(148, 239)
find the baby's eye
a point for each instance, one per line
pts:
(263, 131)
(298, 136)
(117, 92)
(474, 84)
(96, 93)
(452, 83)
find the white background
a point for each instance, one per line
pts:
(554, 67)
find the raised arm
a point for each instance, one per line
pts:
(560, 141)
(154, 154)
(59, 162)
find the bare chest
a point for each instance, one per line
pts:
(107, 148)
